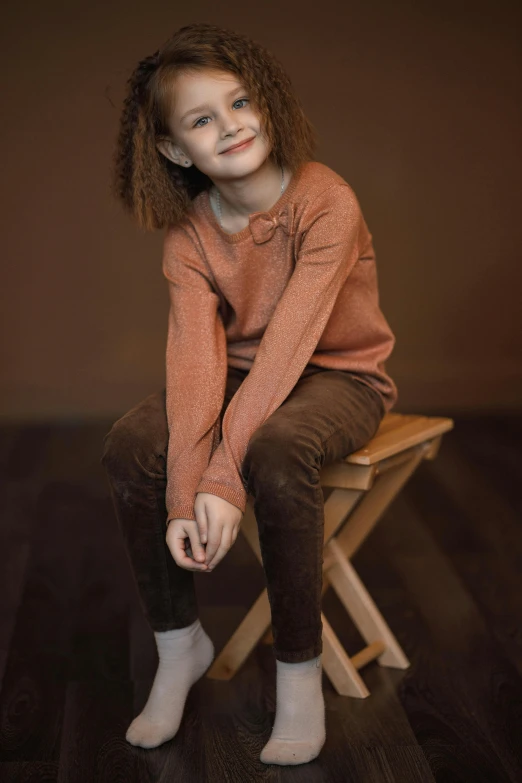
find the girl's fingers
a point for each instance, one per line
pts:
(178, 534)
(201, 520)
(213, 544)
(184, 560)
(226, 543)
(198, 552)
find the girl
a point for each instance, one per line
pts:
(274, 363)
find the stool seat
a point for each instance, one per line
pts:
(364, 484)
(398, 432)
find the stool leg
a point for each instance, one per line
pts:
(375, 502)
(243, 641)
(338, 666)
(361, 608)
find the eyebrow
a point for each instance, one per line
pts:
(204, 106)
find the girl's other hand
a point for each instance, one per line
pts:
(185, 546)
(218, 523)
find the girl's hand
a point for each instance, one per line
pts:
(218, 523)
(185, 546)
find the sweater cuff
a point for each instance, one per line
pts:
(237, 498)
(182, 512)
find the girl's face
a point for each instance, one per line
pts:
(210, 112)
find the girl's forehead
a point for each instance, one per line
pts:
(206, 77)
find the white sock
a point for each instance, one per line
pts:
(299, 730)
(184, 656)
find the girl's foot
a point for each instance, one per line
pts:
(299, 731)
(184, 656)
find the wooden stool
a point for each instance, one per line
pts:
(365, 483)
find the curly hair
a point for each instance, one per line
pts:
(157, 192)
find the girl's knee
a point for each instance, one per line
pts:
(275, 459)
(140, 437)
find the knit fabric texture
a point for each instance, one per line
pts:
(294, 291)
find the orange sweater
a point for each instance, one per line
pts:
(296, 289)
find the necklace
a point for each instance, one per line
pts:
(219, 201)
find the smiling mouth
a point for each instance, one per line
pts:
(239, 147)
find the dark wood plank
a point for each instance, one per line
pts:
(459, 676)
(29, 772)
(21, 452)
(96, 715)
(31, 702)
(31, 706)
(485, 545)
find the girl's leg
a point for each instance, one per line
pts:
(134, 459)
(327, 416)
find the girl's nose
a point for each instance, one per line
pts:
(230, 125)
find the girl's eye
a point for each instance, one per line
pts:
(197, 125)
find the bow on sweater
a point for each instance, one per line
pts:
(263, 225)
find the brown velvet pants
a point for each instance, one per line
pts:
(327, 416)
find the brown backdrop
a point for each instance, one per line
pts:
(417, 107)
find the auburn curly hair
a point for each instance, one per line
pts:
(157, 192)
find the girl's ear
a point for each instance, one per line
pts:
(167, 148)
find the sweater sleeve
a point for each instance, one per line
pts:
(196, 370)
(328, 252)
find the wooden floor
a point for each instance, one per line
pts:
(444, 565)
